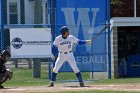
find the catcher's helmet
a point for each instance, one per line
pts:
(64, 29)
(4, 53)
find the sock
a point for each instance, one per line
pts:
(53, 76)
(79, 77)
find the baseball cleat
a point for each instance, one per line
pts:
(51, 84)
(81, 84)
(1, 87)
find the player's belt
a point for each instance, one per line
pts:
(66, 52)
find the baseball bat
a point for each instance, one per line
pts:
(103, 29)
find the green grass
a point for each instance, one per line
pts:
(71, 76)
(117, 81)
(23, 77)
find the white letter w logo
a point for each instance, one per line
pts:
(84, 20)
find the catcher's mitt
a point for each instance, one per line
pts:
(9, 74)
(6, 76)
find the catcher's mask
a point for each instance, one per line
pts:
(6, 54)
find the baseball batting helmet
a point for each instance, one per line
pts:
(64, 29)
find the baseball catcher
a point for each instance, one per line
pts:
(5, 74)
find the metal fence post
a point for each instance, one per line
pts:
(109, 43)
(36, 68)
(49, 68)
(37, 20)
(2, 25)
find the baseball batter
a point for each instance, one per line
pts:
(64, 43)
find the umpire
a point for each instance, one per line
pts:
(5, 74)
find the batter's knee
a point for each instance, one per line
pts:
(76, 70)
(55, 70)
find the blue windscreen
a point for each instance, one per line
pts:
(85, 19)
(0, 12)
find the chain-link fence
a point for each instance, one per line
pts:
(33, 14)
(24, 14)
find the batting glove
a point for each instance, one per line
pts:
(88, 41)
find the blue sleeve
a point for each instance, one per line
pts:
(53, 49)
(81, 42)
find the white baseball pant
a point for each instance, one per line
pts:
(66, 56)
